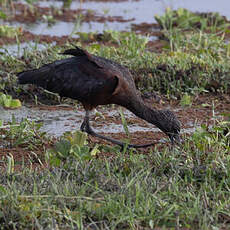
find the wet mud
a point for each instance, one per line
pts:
(57, 120)
(92, 16)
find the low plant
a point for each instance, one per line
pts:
(193, 62)
(2, 15)
(49, 19)
(213, 138)
(67, 3)
(187, 20)
(70, 146)
(8, 102)
(9, 31)
(184, 187)
(25, 134)
(186, 100)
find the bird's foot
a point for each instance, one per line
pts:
(175, 139)
(86, 128)
(83, 125)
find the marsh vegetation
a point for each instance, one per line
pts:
(78, 182)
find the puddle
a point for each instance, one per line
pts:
(18, 50)
(70, 28)
(56, 122)
(144, 10)
(141, 11)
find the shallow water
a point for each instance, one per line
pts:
(70, 28)
(140, 11)
(56, 122)
(19, 49)
(144, 10)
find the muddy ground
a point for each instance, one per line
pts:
(26, 15)
(204, 110)
(200, 112)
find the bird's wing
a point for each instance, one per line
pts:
(78, 52)
(81, 79)
(102, 68)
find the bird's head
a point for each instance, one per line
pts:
(170, 125)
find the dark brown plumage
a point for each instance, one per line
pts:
(97, 81)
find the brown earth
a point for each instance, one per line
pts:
(200, 112)
(26, 36)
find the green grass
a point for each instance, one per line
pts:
(187, 186)
(100, 187)
(187, 20)
(9, 31)
(192, 63)
(26, 134)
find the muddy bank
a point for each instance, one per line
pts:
(25, 14)
(58, 119)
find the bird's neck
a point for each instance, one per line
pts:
(150, 115)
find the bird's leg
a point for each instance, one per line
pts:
(174, 138)
(85, 127)
(82, 128)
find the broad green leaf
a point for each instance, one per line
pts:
(79, 138)
(2, 15)
(15, 103)
(63, 148)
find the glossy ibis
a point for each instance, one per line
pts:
(94, 81)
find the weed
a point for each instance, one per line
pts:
(49, 19)
(187, 188)
(8, 102)
(9, 31)
(2, 15)
(77, 24)
(25, 133)
(124, 123)
(186, 100)
(196, 62)
(186, 20)
(71, 146)
(67, 3)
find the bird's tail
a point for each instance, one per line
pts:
(35, 76)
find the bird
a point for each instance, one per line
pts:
(95, 80)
